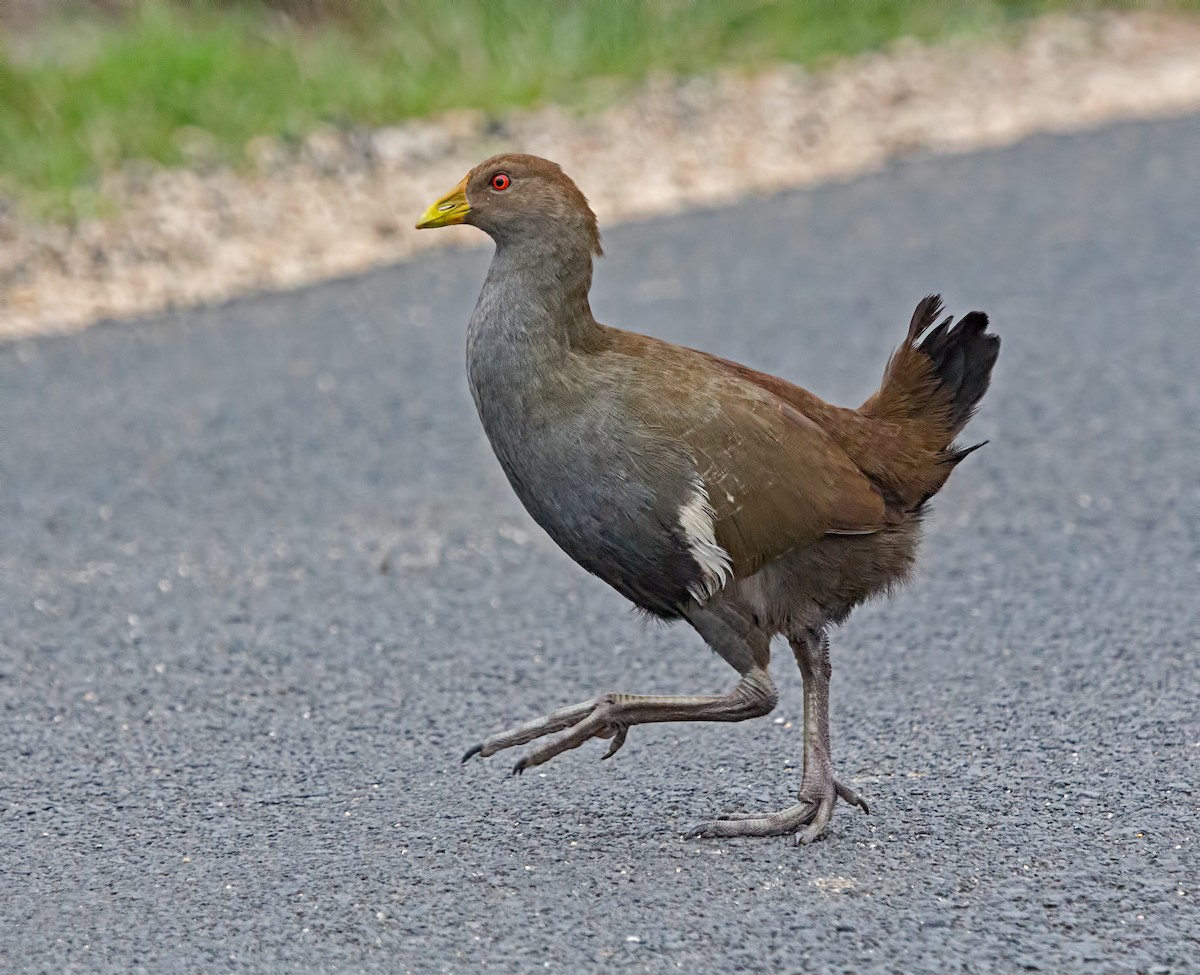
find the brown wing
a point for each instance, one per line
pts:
(775, 480)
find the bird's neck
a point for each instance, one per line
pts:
(536, 294)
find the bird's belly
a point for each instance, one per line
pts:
(822, 583)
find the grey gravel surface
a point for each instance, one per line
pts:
(264, 582)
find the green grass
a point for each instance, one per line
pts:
(83, 95)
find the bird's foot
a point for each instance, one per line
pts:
(804, 822)
(597, 718)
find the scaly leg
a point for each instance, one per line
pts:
(819, 790)
(728, 631)
(611, 715)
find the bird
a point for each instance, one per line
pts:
(702, 490)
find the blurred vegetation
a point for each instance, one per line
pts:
(85, 87)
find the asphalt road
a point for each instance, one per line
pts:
(264, 582)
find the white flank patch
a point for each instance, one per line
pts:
(696, 519)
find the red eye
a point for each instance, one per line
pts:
(501, 181)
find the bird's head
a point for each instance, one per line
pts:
(516, 198)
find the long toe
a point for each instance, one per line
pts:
(522, 734)
(805, 822)
(594, 726)
(747, 824)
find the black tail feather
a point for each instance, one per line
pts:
(961, 453)
(962, 357)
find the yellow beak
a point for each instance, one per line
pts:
(450, 209)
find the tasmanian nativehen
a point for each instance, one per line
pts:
(698, 488)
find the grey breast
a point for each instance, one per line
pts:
(607, 490)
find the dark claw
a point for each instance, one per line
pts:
(850, 796)
(618, 740)
(472, 752)
(519, 768)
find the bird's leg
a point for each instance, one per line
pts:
(727, 630)
(611, 715)
(819, 790)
